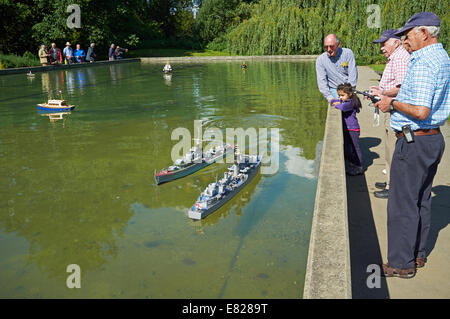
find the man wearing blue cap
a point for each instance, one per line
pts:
(391, 81)
(421, 107)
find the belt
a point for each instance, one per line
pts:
(432, 131)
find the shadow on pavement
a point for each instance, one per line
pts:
(440, 217)
(364, 245)
(366, 143)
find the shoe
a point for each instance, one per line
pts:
(389, 271)
(420, 262)
(380, 185)
(382, 194)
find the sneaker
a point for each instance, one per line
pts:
(382, 194)
(380, 185)
(389, 271)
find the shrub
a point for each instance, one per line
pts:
(15, 61)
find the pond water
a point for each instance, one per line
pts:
(80, 189)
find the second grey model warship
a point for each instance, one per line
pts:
(193, 161)
(245, 168)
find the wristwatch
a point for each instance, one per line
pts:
(391, 105)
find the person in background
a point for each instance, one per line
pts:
(350, 104)
(90, 56)
(391, 81)
(111, 51)
(79, 54)
(68, 53)
(335, 66)
(43, 55)
(119, 53)
(55, 55)
(418, 111)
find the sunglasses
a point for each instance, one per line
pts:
(329, 46)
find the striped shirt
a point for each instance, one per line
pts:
(426, 84)
(332, 71)
(395, 70)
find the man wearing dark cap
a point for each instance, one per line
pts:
(391, 81)
(421, 107)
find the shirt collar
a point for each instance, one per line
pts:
(396, 52)
(422, 52)
(337, 56)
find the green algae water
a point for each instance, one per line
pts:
(78, 188)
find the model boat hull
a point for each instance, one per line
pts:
(50, 109)
(200, 214)
(164, 177)
(180, 173)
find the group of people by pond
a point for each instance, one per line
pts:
(55, 56)
(414, 92)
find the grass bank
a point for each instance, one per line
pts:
(377, 67)
(8, 61)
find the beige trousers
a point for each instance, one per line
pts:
(389, 141)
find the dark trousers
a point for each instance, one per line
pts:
(413, 168)
(352, 152)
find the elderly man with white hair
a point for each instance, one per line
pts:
(418, 111)
(43, 55)
(391, 81)
(334, 67)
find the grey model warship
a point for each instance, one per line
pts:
(244, 169)
(193, 161)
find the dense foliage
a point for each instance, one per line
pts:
(299, 26)
(25, 24)
(247, 27)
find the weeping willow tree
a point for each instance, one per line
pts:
(299, 26)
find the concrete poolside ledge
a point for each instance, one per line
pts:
(62, 66)
(161, 60)
(328, 274)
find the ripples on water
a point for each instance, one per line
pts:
(80, 189)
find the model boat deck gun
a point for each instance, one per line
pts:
(374, 99)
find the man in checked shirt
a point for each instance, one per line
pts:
(421, 107)
(391, 81)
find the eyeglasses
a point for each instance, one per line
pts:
(329, 46)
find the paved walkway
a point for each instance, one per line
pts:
(368, 217)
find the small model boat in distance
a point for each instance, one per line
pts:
(193, 161)
(234, 180)
(167, 68)
(55, 106)
(30, 75)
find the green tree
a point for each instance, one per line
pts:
(216, 16)
(299, 26)
(16, 19)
